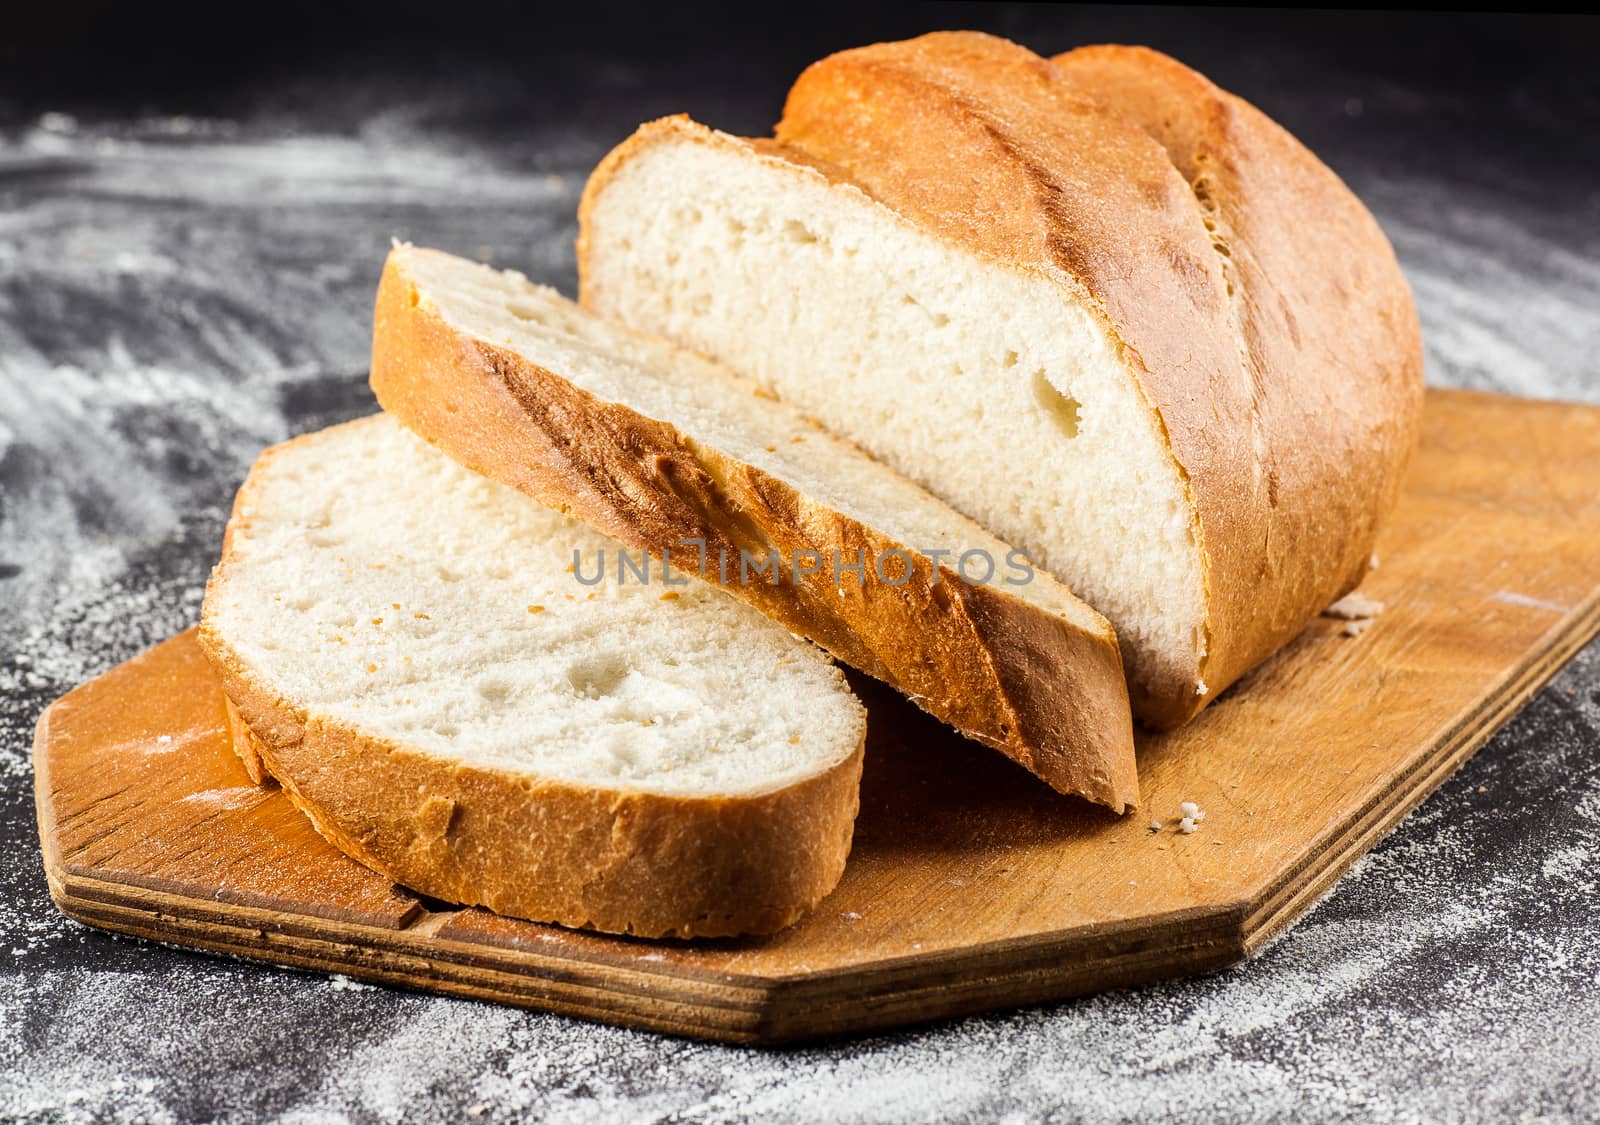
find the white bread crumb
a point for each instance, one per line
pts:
(1188, 808)
(1354, 607)
(1186, 825)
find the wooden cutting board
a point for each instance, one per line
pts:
(971, 885)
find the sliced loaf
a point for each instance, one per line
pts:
(410, 656)
(1109, 311)
(658, 447)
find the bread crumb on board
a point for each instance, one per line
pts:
(1189, 817)
(1354, 607)
(1356, 611)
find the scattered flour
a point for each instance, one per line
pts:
(1443, 979)
(236, 797)
(1511, 597)
(341, 983)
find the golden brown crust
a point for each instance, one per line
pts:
(1254, 298)
(1013, 676)
(616, 860)
(622, 862)
(247, 747)
(1327, 332)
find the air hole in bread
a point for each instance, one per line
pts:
(624, 758)
(796, 231)
(598, 676)
(525, 312)
(1063, 411)
(494, 690)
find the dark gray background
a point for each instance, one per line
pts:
(192, 218)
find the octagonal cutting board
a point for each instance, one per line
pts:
(971, 885)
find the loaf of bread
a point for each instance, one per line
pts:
(1114, 314)
(408, 653)
(674, 456)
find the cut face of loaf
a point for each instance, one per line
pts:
(416, 664)
(1192, 401)
(661, 449)
(981, 382)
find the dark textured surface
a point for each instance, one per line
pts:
(189, 242)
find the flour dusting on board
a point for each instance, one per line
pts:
(233, 797)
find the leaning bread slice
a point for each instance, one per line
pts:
(675, 456)
(409, 656)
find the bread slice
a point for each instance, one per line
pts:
(1112, 313)
(657, 447)
(411, 658)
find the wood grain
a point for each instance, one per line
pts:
(971, 885)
